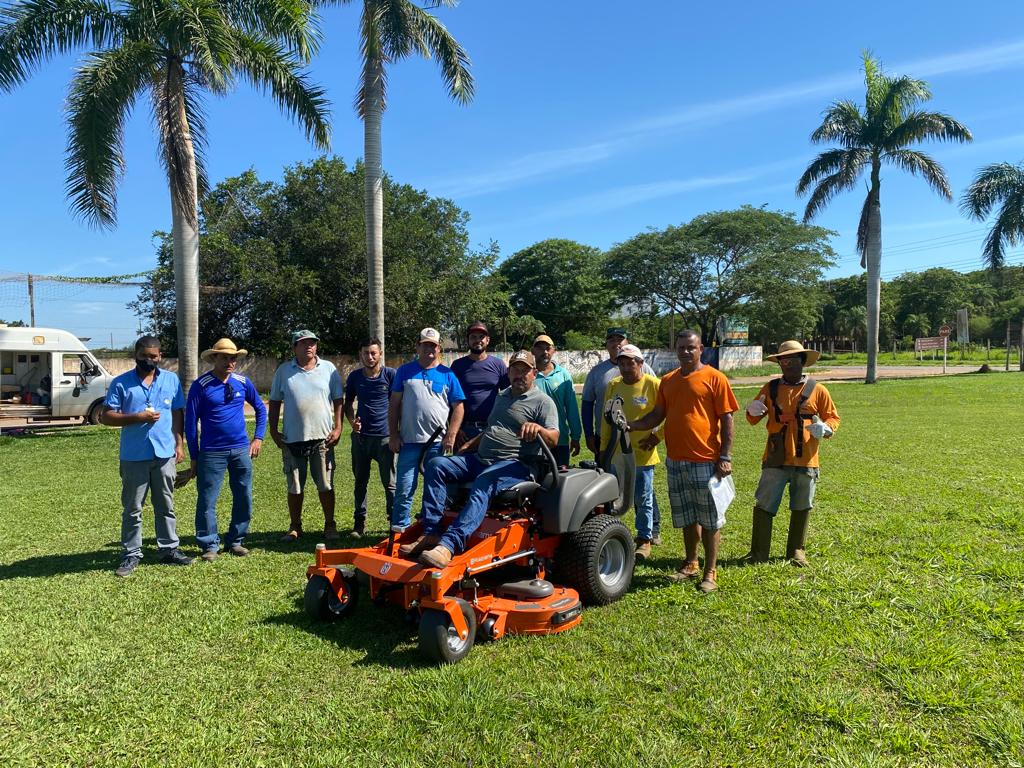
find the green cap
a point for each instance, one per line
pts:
(305, 333)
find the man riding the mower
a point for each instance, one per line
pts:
(498, 458)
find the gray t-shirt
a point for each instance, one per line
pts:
(500, 439)
(597, 381)
(308, 398)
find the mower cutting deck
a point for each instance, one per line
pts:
(566, 522)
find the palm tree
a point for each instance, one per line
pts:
(391, 30)
(998, 183)
(175, 50)
(879, 132)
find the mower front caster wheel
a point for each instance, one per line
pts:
(438, 639)
(323, 604)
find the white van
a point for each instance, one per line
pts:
(48, 376)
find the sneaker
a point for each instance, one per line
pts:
(291, 535)
(708, 584)
(414, 548)
(656, 541)
(175, 557)
(209, 555)
(643, 549)
(331, 532)
(127, 566)
(690, 569)
(359, 528)
(238, 550)
(438, 557)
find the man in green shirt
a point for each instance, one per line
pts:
(556, 382)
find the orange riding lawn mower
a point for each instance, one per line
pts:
(563, 526)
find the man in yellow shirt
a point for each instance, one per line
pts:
(639, 393)
(800, 415)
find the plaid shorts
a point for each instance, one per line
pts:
(689, 495)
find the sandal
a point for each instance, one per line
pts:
(292, 535)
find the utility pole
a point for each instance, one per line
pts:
(31, 302)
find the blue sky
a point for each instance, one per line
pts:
(592, 121)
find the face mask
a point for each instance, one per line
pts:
(146, 366)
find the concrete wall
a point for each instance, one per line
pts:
(261, 369)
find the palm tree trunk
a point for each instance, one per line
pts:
(185, 235)
(873, 262)
(374, 198)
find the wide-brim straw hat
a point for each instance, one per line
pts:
(792, 347)
(223, 347)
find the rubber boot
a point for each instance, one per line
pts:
(797, 538)
(760, 537)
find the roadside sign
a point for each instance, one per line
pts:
(945, 331)
(930, 342)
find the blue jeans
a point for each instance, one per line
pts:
(657, 510)
(406, 476)
(211, 467)
(488, 480)
(562, 456)
(643, 502)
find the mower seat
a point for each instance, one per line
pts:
(516, 495)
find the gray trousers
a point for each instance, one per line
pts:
(137, 479)
(367, 448)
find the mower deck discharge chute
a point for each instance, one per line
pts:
(564, 526)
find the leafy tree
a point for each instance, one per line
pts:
(14, 323)
(391, 30)
(917, 325)
(175, 50)
(280, 256)
(749, 262)
(560, 283)
(878, 132)
(999, 184)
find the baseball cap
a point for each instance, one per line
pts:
(522, 356)
(479, 326)
(616, 332)
(630, 350)
(432, 335)
(305, 333)
(545, 339)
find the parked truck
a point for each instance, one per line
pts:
(48, 376)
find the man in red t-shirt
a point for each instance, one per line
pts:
(696, 403)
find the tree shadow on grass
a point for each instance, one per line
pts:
(381, 633)
(59, 563)
(270, 541)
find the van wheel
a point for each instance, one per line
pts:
(94, 413)
(597, 560)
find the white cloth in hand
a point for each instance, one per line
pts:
(757, 409)
(819, 430)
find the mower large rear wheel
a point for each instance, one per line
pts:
(323, 604)
(438, 639)
(597, 560)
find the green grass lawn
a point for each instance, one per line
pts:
(902, 645)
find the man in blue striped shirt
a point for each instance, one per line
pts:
(217, 399)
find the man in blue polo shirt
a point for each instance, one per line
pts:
(147, 404)
(217, 399)
(370, 387)
(426, 398)
(481, 376)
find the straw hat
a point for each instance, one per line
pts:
(793, 347)
(223, 347)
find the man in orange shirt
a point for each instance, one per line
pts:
(800, 415)
(696, 403)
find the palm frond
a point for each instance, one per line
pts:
(842, 123)
(100, 99)
(852, 160)
(829, 187)
(920, 164)
(195, 114)
(995, 182)
(919, 126)
(208, 40)
(268, 66)
(450, 56)
(898, 96)
(294, 22)
(862, 230)
(34, 30)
